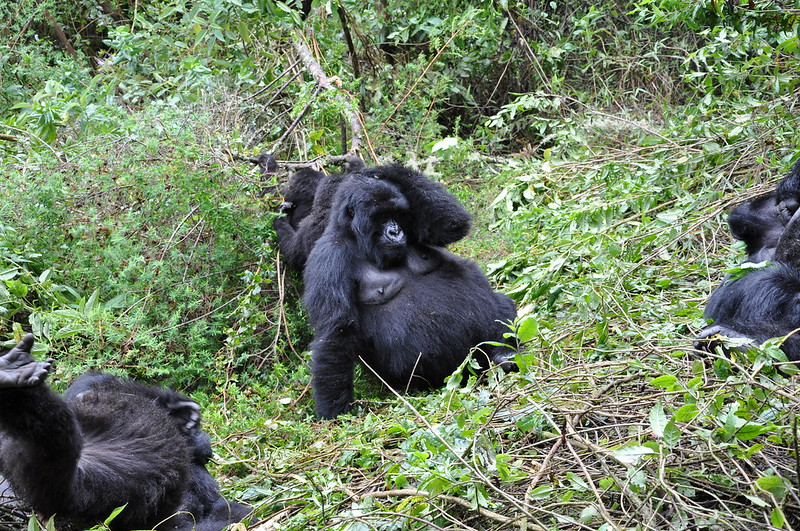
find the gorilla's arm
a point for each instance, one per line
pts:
(299, 194)
(289, 241)
(330, 298)
(763, 304)
(183, 410)
(297, 241)
(439, 218)
(41, 439)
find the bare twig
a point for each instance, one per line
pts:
(324, 82)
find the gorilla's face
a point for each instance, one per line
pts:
(390, 243)
(378, 215)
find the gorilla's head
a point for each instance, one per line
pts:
(376, 214)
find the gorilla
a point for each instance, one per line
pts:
(763, 304)
(376, 288)
(760, 222)
(301, 190)
(105, 443)
(439, 219)
(267, 166)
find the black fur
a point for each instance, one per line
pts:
(412, 314)
(298, 197)
(105, 443)
(297, 235)
(787, 194)
(763, 304)
(439, 217)
(756, 222)
(760, 222)
(307, 201)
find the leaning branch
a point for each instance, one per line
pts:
(60, 35)
(324, 82)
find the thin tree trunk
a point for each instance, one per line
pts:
(60, 35)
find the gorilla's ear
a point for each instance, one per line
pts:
(343, 214)
(185, 411)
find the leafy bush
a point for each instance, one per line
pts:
(180, 244)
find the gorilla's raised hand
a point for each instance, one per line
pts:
(19, 369)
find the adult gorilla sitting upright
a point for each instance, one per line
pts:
(104, 444)
(377, 292)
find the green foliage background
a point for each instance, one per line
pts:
(599, 146)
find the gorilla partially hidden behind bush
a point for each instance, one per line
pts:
(106, 443)
(379, 288)
(765, 302)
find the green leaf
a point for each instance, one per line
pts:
(69, 331)
(589, 513)
(664, 381)
(528, 328)
(777, 518)
(9, 273)
(774, 485)
(632, 454)
(672, 434)
(114, 514)
(577, 482)
(741, 270)
(446, 143)
(542, 492)
(529, 422)
(757, 501)
(686, 413)
(658, 420)
(120, 301)
(751, 431)
(45, 275)
(91, 302)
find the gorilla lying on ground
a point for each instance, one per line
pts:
(763, 304)
(376, 290)
(760, 222)
(439, 217)
(106, 443)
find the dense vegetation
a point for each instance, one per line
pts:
(599, 145)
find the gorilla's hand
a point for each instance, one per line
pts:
(19, 369)
(723, 337)
(787, 208)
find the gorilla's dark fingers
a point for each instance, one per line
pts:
(19, 369)
(505, 360)
(717, 336)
